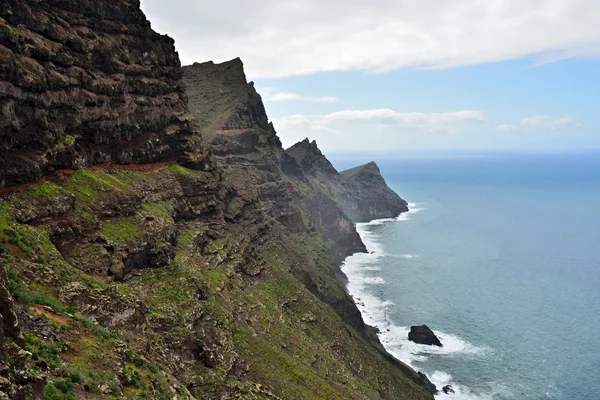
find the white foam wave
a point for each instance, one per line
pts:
(376, 312)
(408, 256)
(374, 281)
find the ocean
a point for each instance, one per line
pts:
(500, 256)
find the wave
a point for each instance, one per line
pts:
(361, 269)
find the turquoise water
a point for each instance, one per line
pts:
(500, 255)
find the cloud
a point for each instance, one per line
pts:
(550, 122)
(541, 122)
(507, 128)
(281, 38)
(273, 95)
(337, 122)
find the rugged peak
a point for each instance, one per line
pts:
(366, 196)
(232, 71)
(310, 158)
(370, 168)
(222, 100)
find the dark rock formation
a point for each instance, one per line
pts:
(448, 389)
(366, 196)
(361, 192)
(423, 335)
(86, 82)
(310, 158)
(221, 98)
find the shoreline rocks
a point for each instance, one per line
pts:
(422, 334)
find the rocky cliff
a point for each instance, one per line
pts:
(361, 192)
(365, 196)
(84, 83)
(140, 259)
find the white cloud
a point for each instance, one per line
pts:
(273, 95)
(507, 128)
(280, 38)
(537, 122)
(550, 122)
(337, 122)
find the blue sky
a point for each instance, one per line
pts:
(388, 75)
(507, 93)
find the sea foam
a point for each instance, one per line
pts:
(361, 269)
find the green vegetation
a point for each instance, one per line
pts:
(122, 232)
(90, 184)
(179, 170)
(44, 190)
(293, 344)
(58, 390)
(44, 350)
(69, 140)
(164, 210)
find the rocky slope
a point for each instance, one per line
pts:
(135, 264)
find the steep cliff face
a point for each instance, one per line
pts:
(365, 196)
(254, 167)
(361, 192)
(84, 83)
(158, 271)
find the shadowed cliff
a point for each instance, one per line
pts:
(361, 192)
(84, 83)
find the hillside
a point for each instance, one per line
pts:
(151, 250)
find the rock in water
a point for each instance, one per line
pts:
(448, 389)
(423, 335)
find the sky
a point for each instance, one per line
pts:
(404, 74)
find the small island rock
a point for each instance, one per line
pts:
(448, 389)
(423, 335)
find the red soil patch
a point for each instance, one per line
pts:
(49, 314)
(22, 188)
(154, 167)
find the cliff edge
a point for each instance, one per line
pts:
(361, 192)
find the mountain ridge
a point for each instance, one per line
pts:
(182, 254)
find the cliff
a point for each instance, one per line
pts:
(85, 83)
(142, 259)
(365, 196)
(361, 192)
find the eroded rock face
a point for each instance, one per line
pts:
(85, 82)
(366, 196)
(422, 334)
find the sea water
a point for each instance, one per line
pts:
(500, 256)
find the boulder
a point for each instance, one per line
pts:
(423, 335)
(448, 389)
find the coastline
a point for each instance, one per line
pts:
(361, 270)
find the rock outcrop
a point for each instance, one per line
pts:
(146, 260)
(86, 82)
(422, 334)
(361, 192)
(366, 196)
(448, 389)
